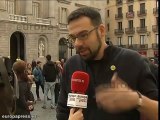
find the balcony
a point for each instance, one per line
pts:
(133, 46)
(141, 13)
(155, 28)
(62, 26)
(118, 16)
(154, 46)
(43, 21)
(18, 18)
(130, 15)
(130, 1)
(142, 29)
(123, 46)
(119, 31)
(130, 30)
(143, 47)
(155, 11)
(119, 2)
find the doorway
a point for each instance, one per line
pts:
(17, 46)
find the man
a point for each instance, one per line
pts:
(50, 73)
(121, 85)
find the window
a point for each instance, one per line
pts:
(157, 38)
(142, 39)
(107, 13)
(130, 24)
(107, 1)
(156, 20)
(36, 9)
(10, 7)
(142, 8)
(119, 10)
(142, 23)
(130, 8)
(130, 40)
(119, 40)
(120, 25)
(63, 13)
(108, 27)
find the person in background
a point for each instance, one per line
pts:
(30, 79)
(24, 102)
(154, 69)
(62, 62)
(58, 79)
(39, 79)
(34, 64)
(121, 85)
(50, 74)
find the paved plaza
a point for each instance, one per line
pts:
(39, 113)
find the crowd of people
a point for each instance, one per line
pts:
(47, 77)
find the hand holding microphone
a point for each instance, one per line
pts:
(77, 99)
(75, 115)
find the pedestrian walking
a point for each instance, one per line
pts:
(50, 74)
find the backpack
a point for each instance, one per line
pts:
(7, 95)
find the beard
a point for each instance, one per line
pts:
(92, 53)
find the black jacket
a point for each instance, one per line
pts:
(49, 71)
(130, 67)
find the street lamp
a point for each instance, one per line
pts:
(69, 45)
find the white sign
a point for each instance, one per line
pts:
(77, 100)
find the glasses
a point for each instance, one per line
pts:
(81, 36)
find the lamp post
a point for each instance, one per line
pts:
(69, 45)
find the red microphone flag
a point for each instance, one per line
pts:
(79, 82)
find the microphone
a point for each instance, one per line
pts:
(79, 85)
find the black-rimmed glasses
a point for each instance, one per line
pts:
(81, 36)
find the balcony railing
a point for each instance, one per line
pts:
(138, 46)
(142, 13)
(62, 26)
(154, 46)
(133, 46)
(123, 46)
(142, 29)
(119, 2)
(119, 16)
(43, 21)
(130, 30)
(155, 28)
(18, 18)
(143, 46)
(130, 1)
(130, 15)
(155, 11)
(119, 31)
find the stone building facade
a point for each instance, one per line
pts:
(133, 24)
(31, 29)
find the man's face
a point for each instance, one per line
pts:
(89, 47)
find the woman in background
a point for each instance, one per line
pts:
(24, 104)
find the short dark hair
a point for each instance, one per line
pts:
(48, 57)
(90, 12)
